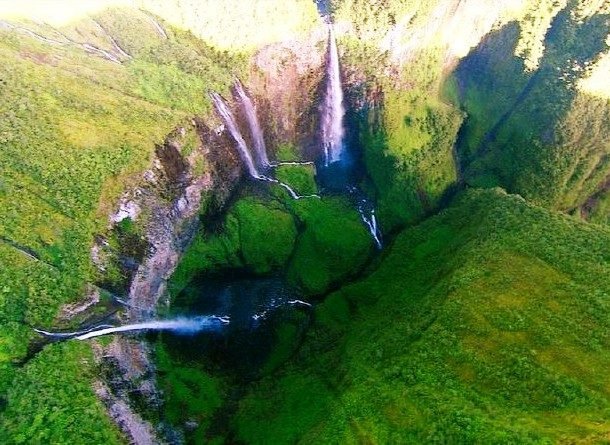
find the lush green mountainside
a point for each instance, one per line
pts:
(226, 25)
(84, 105)
(529, 91)
(75, 129)
(535, 133)
(485, 324)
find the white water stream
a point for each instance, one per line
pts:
(333, 111)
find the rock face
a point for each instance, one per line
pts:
(286, 80)
(170, 197)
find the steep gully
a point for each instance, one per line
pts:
(258, 166)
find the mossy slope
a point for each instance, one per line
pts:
(535, 132)
(486, 323)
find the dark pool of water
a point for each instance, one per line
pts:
(260, 310)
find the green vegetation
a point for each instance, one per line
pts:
(255, 235)
(189, 392)
(518, 89)
(408, 153)
(333, 246)
(485, 320)
(535, 133)
(51, 400)
(301, 178)
(267, 236)
(261, 237)
(486, 323)
(234, 25)
(75, 130)
(415, 145)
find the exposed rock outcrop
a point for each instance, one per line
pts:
(170, 199)
(286, 79)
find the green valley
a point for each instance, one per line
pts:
(304, 221)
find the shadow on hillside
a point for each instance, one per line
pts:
(509, 136)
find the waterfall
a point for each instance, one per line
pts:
(333, 111)
(367, 214)
(179, 326)
(255, 128)
(289, 189)
(257, 136)
(261, 315)
(333, 133)
(371, 222)
(227, 117)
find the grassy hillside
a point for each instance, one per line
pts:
(76, 129)
(228, 25)
(485, 324)
(535, 132)
(236, 25)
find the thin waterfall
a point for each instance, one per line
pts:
(227, 116)
(289, 189)
(333, 111)
(255, 128)
(179, 326)
(370, 220)
(367, 214)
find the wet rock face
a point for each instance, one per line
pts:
(173, 167)
(127, 376)
(218, 149)
(171, 224)
(286, 81)
(170, 199)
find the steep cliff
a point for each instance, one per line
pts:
(103, 168)
(121, 191)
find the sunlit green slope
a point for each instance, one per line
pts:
(485, 324)
(526, 79)
(87, 93)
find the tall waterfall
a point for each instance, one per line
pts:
(179, 325)
(227, 117)
(255, 128)
(333, 138)
(333, 111)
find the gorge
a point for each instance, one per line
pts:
(299, 221)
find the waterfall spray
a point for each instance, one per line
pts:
(178, 326)
(333, 111)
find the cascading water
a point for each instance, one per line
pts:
(227, 117)
(179, 326)
(336, 163)
(367, 214)
(255, 128)
(257, 135)
(333, 111)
